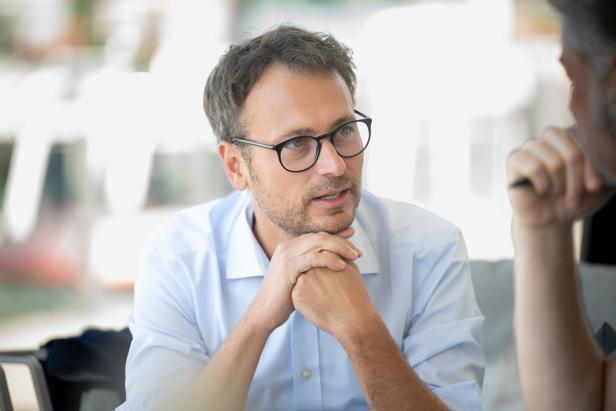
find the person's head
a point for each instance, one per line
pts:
(286, 83)
(589, 57)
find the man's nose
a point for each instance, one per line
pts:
(329, 162)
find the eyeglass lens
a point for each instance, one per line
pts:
(301, 152)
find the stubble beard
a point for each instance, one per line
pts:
(295, 220)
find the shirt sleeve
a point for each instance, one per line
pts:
(442, 342)
(167, 350)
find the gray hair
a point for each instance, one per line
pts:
(243, 64)
(589, 28)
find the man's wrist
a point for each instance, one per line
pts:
(542, 252)
(529, 234)
(256, 323)
(359, 333)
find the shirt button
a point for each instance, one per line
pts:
(305, 374)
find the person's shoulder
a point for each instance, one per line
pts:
(195, 228)
(404, 221)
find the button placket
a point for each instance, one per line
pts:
(305, 364)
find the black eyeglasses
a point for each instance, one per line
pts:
(298, 154)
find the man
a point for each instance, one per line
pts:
(571, 172)
(260, 300)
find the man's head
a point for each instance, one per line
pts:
(286, 83)
(589, 57)
(243, 65)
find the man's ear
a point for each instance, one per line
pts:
(232, 162)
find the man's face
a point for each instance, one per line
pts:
(281, 105)
(589, 105)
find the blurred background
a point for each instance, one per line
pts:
(102, 134)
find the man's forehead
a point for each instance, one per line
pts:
(312, 131)
(297, 103)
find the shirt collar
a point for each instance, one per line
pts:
(245, 257)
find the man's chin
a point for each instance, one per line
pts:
(332, 223)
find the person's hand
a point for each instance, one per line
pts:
(334, 301)
(272, 304)
(565, 186)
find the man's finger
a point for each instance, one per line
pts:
(592, 179)
(523, 164)
(573, 158)
(325, 241)
(552, 161)
(325, 259)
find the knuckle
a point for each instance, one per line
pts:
(514, 154)
(516, 160)
(552, 133)
(556, 165)
(574, 157)
(527, 147)
(532, 143)
(320, 236)
(534, 169)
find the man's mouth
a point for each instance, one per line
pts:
(333, 198)
(331, 195)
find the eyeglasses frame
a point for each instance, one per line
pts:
(278, 147)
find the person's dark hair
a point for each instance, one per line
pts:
(589, 28)
(243, 64)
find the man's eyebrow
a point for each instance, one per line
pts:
(304, 131)
(307, 131)
(343, 119)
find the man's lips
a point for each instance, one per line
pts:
(333, 198)
(330, 194)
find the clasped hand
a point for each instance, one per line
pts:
(335, 301)
(316, 275)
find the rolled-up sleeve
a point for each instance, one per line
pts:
(442, 342)
(167, 350)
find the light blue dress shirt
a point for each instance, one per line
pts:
(200, 271)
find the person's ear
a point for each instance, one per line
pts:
(232, 161)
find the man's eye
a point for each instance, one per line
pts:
(347, 130)
(296, 144)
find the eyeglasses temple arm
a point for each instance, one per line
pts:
(254, 143)
(360, 113)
